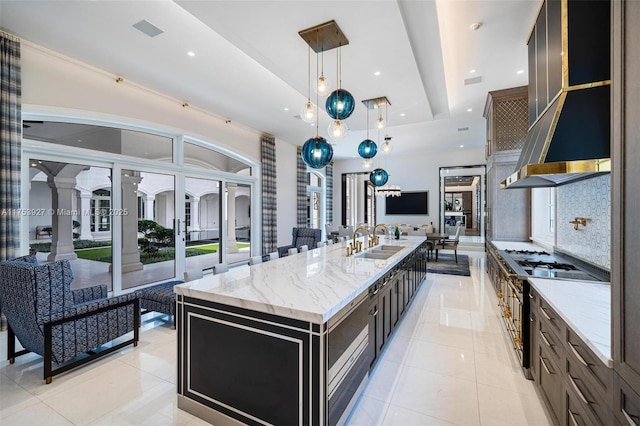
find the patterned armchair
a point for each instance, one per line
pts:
(302, 236)
(58, 323)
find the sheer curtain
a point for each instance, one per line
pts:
(10, 145)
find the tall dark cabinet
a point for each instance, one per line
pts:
(508, 216)
(625, 208)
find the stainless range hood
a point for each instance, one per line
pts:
(569, 55)
(568, 142)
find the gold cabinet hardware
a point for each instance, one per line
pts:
(507, 312)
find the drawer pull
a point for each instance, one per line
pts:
(573, 419)
(575, 352)
(628, 417)
(544, 338)
(577, 389)
(546, 315)
(374, 313)
(544, 364)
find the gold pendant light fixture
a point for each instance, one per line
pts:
(340, 103)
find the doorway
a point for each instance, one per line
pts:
(462, 200)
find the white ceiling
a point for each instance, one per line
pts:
(250, 63)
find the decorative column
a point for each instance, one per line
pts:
(130, 254)
(62, 193)
(148, 207)
(85, 215)
(195, 214)
(231, 218)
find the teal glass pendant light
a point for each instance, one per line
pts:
(367, 148)
(340, 104)
(379, 177)
(317, 152)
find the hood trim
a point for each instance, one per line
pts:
(547, 175)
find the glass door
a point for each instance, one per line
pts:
(70, 216)
(149, 227)
(238, 214)
(202, 223)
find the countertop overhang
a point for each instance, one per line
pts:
(310, 286)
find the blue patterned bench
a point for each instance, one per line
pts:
(159, 298)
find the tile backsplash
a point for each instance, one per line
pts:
(590, 198)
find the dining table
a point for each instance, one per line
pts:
(435, 238)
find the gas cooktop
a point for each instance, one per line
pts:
(541, 264)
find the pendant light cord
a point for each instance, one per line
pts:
(309, 74)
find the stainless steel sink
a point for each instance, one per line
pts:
(376, 254)
(394, 249)
(383, 252)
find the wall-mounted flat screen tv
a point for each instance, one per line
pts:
(408, 203)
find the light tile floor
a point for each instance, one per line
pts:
(449, 363)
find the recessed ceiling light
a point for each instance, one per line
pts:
(191, 53)
(461, 146)
(472, 71)
(403, 114)
(469, 109)
(286, 109)
(377, 73)
(79, 140)
(519, 71)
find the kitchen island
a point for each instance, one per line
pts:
(291, 341)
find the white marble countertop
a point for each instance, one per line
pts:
(310, 286)
(516, 245)
(585, 306)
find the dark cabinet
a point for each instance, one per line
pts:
(551, 384)
(576, 385)
(566, 48)
(533, 336)
(375, 334)
(625, 200)
(390, 296)
(507, 125)
(542, 98)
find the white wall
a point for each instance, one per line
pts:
(413, 173)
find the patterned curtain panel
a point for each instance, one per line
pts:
(329, 203)
(269, 202)
(10, 134)
(302, 191)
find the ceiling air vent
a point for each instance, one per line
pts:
(474, 80)
(147, 28)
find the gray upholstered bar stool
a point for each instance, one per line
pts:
(220, 268)
(192, 274)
